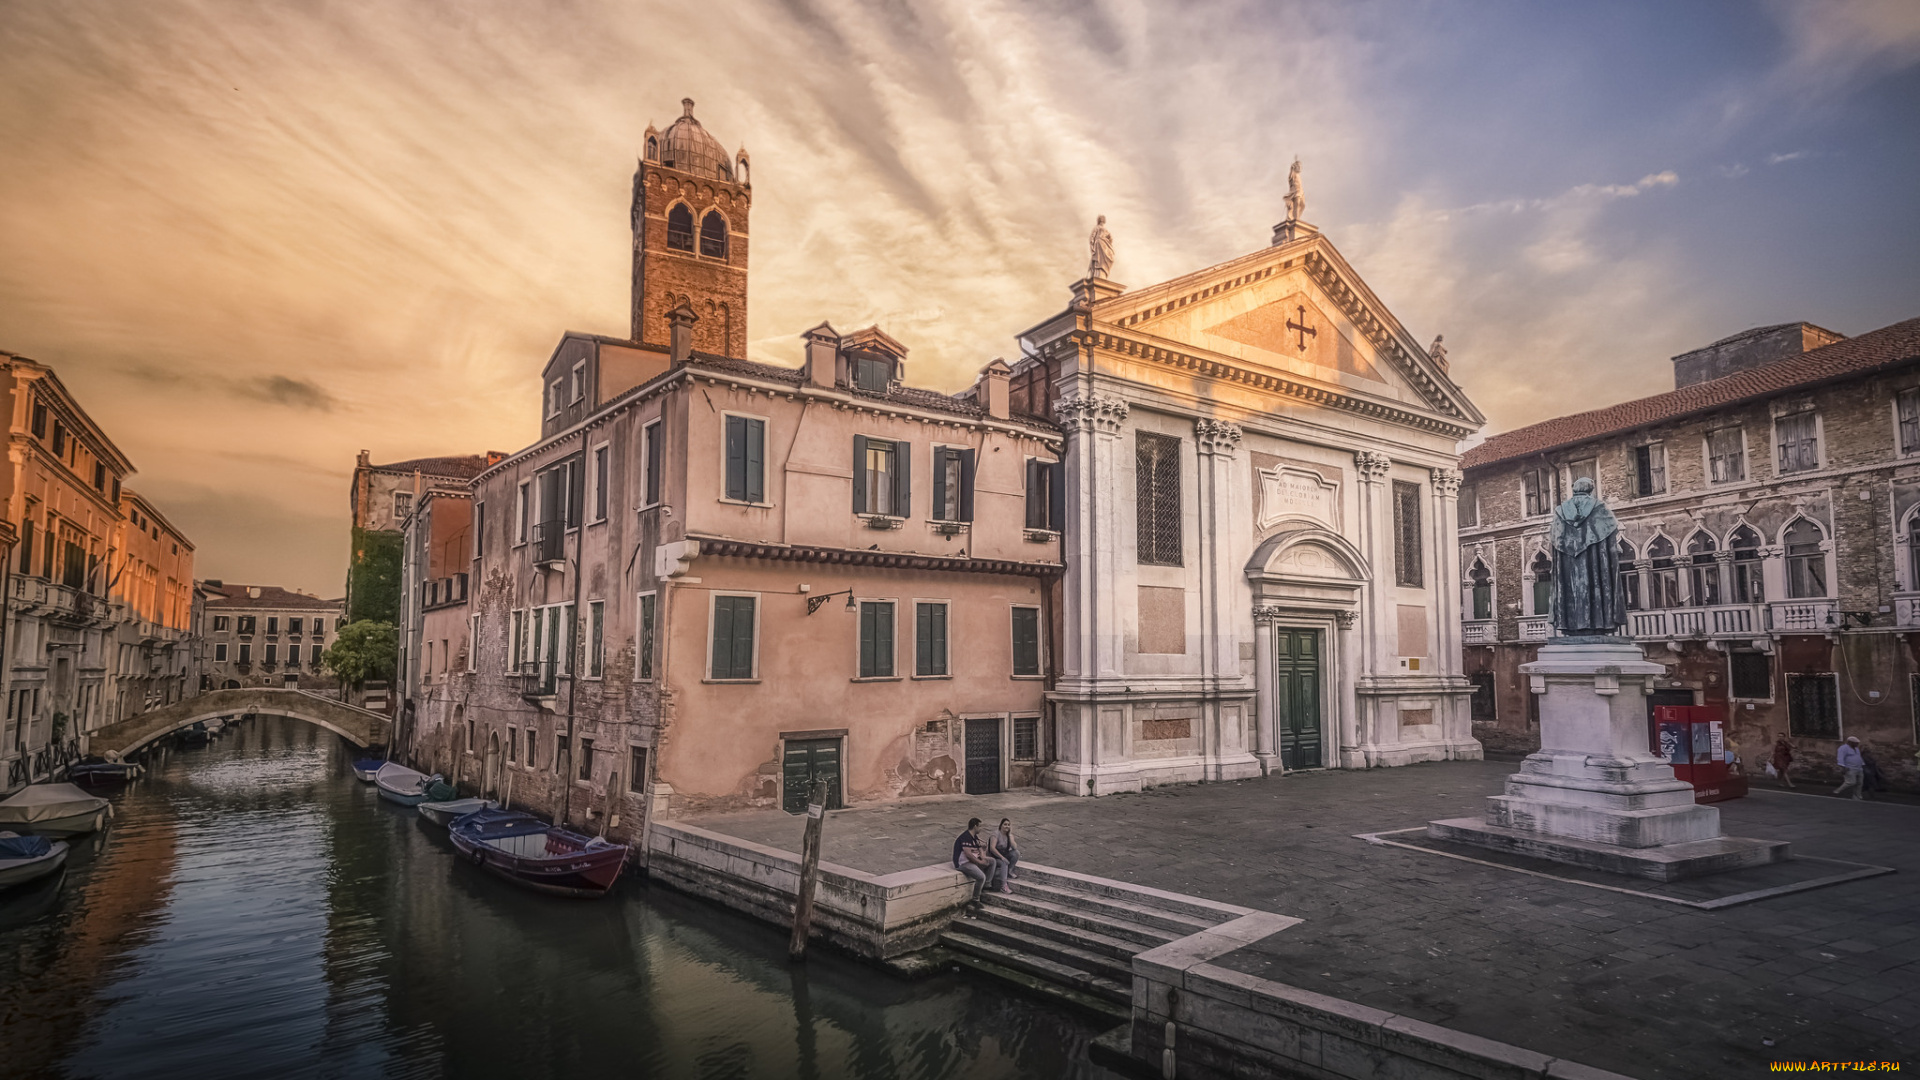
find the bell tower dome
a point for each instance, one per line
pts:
(690, 205)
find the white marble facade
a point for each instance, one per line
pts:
(1281, 636)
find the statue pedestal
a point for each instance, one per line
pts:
(1594, 795)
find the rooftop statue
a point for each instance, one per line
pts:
(1296, 194)
(1439, 351)
(1586, 566)
(1101, 245)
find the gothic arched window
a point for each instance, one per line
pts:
(680, 228)
(1542, 568)
(1482, 580)
(1629, 577)
(1806, 563)
(1745, 544)
(1703, 571)
(713, 235)
(1913, 552)
(1663, 583)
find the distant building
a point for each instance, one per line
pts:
(153, 598)
(435, 626)
(1770, 541)
(380, 499)
(263, 635)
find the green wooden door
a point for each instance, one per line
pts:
(804, 760)
(1296, 698)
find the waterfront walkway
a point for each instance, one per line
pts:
(1632, 984)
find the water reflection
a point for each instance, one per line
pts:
(256, 910)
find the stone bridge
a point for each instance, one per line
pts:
(358, 726)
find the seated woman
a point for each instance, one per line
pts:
(1001, 846)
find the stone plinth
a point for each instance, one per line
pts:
(1594, 795)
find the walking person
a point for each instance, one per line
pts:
(1004, 849)
(1783, 759)
(971, 858)
(1850, 760)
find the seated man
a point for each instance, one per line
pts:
(970, 857)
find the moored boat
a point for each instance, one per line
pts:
(99, 774)
(54, 810)
(193, 736)
(444, 813)
(365, 768)
(410, 787)
(28, 858)
(527, 851)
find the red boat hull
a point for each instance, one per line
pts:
(579, 872)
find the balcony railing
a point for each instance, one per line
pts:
(538, 679)
(1536, 627)
(1906, 610)
(1803, 616)
(549, 541)
(1479, 632)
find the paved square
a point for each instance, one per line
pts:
(1645, 988)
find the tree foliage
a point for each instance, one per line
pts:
(366, 649)
(373, 578)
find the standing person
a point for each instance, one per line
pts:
(1856, 768)
(1783, 759)
(971, 858)
(1870, 778)
(1004, 848)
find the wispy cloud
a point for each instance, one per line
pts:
(293, 393)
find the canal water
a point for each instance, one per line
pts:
(255, 911)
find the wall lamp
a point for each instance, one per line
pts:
(814, 602)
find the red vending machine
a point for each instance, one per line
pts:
(1693, 740)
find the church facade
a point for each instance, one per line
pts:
(1259, 524)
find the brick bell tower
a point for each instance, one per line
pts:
(690, 203)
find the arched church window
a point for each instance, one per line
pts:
(680, 228)
(1806, 563)
(1629, 577)
(1745, 544)
(1482, 580)
(1703, 570)
(1542, 569)
(1663, 578)
(713, 235)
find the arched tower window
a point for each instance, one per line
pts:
(680, 228)
(1703, 570)
(1542, 568)
(653, 148)
(1482, 580)
(713, 235)
(1747, 588)
(1629, 577)
(1806, 563)
(1663, 583)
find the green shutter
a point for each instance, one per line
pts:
(736, 457)
(743, 637)
(940, 482)
(1056, 495)
(883, 641)
(859, 474)
(722, 637)
(756, 461)
(966, 485)
(902, 480)
(1026, 641)
(866, 640)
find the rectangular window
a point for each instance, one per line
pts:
(246, 653)
(882, 477)
(1538, 486)
(473, 643)
(273, 624)
(1406, 535)
(876, 639)
(220, 652)
(533, 750)
(637, 769)
(596, 659)
(653, 450)
(1650, 469)
(59, 439)
(219, 624)
(516, 639)
(294, 623)
(746, 459)
(1156, 490)
(579, 383)
(733, 631)
(479, 529)
(560, 743)
(39, 420)
(319, 626)
(1906, 406)
(1026, 641)
(872, 374)
(952, 483)
(553, 399)
(643, 639)
(1584, 469)
(586, 760)
(246, 624)
(313, 655)
(293, 656)
(600, 474)
(1750, 675)
(1799, 437)
(1026, 738)
(1469, 507)
(522, 510)
(26, 546)
(513, 745)
(1726, 455)
(1047, 494)
(402, 504)
(1481, 707)
(99, 476)
(930, 639)
(1813, 706)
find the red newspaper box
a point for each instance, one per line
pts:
(1693, 740)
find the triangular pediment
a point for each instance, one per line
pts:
(1295, 328)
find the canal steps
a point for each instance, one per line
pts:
(1076, 934)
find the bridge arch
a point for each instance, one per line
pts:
(361, 727)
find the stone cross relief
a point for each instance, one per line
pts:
(1302, 328)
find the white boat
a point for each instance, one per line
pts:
(443, 813)
(28, 858)
(409, 787)
(54, 810)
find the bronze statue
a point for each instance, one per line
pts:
(1586, 566)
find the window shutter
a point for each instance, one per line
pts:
(736, 457)
(1036, 506)
(576, 491)
(723, 637)
(756, 461)
(966, 484)
(859, 474)
(903, 479)
(1057, 495)
(743, 637)
(940, 481)
(939, 638)
(653, 463)
(868, 615)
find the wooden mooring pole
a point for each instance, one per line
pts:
(809, 870)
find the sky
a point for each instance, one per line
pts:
(255, 237)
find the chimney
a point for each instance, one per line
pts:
(365, 460)
(823, 352)
(680, 335)
(253, 592)
(991, 392)
(1749, 349)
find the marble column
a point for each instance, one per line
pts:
(1214, 443)
(1265, 708)
(1446, 573)
(1091, 631)
(1376, 613)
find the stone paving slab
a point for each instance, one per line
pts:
(1638, 986)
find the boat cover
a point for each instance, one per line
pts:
(45, 802)
(23, 847)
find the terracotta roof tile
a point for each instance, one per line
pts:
(234, 595)
(464, 467)
(1855, 356)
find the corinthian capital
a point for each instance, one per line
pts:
(1446, 483)
(1090, 413)
(1372, 465)
(1216, 436)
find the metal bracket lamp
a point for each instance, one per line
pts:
(814, 602)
